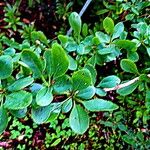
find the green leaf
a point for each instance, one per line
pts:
(109, 82)
(35, 87)
(122, 127)
(140, 136)
(62, 84)
(20, 84)
(129, 16)
(99, 105)
(81, 79)
(3, 119)
(147, 99)
(104, 51)
(86, 93)
(38, 35)
(10, 51)
(72, 63)
(56, 142)
(95, 41)
(148, 51)
(44, 96)
(57, 62)
(85, 29)
(75, 22)
(49, 62)
(33, 61)
(19, 113)
(93, 72)
(127, 45)
(6, 66)
(67, 105)
(40, 115)
(18, 100)
(81, 49)
(63, 39)
(100, 92)
(129, 66)
(133, 56)
(103, 38)
(128, 89)
(71, 46)
(108, 25)
(79, 119)
(128, 139)
(118, 29)
(102, 11)
(55, 111)
(53, 116)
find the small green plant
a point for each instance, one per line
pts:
(31, 3)
(62, 9)
(12, 16)
(135, 9)
(36, 72)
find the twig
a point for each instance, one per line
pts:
(120, 86)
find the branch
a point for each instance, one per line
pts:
(120, 86)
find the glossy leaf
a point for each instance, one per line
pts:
(10, 51)
(33, 61)
(19, 113)
(60, 60)
(148, 51)
(118, 29)
(126, 44)
(85, 29)
(100, 92)
(57, 61)
(49, 62)
(93, 72)
(63, 39)
(56, 142)
(128, 139)
(75, 22)
(129, 66)
(99, 105)
(147, 99)
(79, 119)
(108, 25)
(133, 56)
(62, 84)
(44, 96)
(81, 79)
(55, 110)
(81, 49)
(35, 87)
(72, 63)
(67, 105)
(38, 35)
(86, 93)
(104, 51)
(6, 66)
(3, 119)
(109, 82)
(41, 114)
(20, 84)
(128, 89)
(103, 38)
(18, 100)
